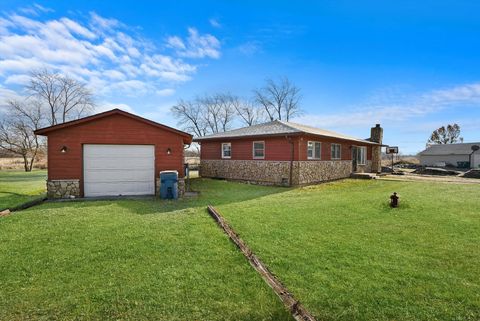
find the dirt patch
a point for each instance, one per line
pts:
(436, 171)
(430, 178)
(473, 173)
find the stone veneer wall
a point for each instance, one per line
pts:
(63, 188)
(376, 166)
(309, 172)
(181, 187)
(259, 171)
(276, 172)
(367, 168)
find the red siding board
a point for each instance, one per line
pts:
(276, 148)
(115, 129)
(346, 153)
(279, 148)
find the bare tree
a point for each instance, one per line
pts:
(16, 131)
(280, 99)
(190, 117)
(65, 97)
(219, 111)
(448, 135)
(206, 115)
(249, 113)
(53, 99)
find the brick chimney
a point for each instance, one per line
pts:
(376, 135)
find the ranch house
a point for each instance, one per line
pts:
(286, 153)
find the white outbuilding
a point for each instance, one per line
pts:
(464, 155)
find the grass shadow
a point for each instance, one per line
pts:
(215, 192)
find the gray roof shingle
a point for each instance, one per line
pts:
(278, 127)
(449, 149)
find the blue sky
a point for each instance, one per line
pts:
(411, 65)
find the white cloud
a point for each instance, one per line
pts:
(166, 92)
(215, 23)
(5, 25)
(114, 74)
(35, 10)
(77, 28)
(196, 45)
(249, 48)
(105, 106)
(469, 93)
(42, 9)
(20, 65)
(101, 23)
(132, 88)
(17, 79)
(398, 111)
(103, 52)
(176, 43)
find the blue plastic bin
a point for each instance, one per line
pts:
(169, 184)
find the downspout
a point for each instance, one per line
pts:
(186, 168)
(292, 149)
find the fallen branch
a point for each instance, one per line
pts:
(297, 310)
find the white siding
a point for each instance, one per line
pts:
(431, 160)
(476, 160)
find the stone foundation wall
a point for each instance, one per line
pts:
(181, 187)
(376, 159)
(263, 172)
(309, 172)
(63, 188)
(276, 172)
(367, 168)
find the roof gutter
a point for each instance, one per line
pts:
(201, 139)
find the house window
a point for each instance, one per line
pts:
(258, 150)
(362, 155)
(314, 150)
(226, 150)
(336, 151)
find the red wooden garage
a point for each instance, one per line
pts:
(111, 153)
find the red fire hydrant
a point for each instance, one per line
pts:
(394, 200)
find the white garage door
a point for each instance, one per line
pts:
(118, 170)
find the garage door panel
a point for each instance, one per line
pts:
(118, 175)
(119, 188)
(111, 170)
(118, 163)
(118, 150)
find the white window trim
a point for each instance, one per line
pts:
(313, 157)
(340, 151)
(227, 157)
(365, 156)
(253, 149)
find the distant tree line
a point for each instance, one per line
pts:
(51, 99)
(219, 112)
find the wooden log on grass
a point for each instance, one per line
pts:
(297, 310)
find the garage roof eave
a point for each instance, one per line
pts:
(187, 138)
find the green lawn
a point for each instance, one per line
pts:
(338, 247)
(17, 187)
(348, 256)
(130, 260)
